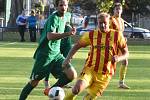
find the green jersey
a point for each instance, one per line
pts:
(54, 24)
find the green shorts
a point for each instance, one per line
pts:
(65, 46)
(44, 65)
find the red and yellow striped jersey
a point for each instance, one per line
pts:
(102, 47)
(117, 23)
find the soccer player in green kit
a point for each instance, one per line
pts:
(65, 46)
(48, 58)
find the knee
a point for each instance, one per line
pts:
(74, 73)
(79, 86)
(125, 62)
(34, 83)
(76, 90)
(71, 73)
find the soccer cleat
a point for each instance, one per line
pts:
(123, 86)
(46, 91)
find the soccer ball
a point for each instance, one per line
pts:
(56, 93)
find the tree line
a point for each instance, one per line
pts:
(130, 6)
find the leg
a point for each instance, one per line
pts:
(70, 72)
(122, 74)
(34, 34)
(78, 87)
(99, 84)
(64, 76)
(27, 89)
(89, 97)
(46, 83)
(24, 29)
(21, 30)
(84, 81)
(30, 32)
(39, 71)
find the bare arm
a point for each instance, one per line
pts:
(74, 49)
(125, 54)
(55, 36)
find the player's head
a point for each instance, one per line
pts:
(103, 22)
(117, 9)
(62, 6)
(32, 12)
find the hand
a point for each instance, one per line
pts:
(73, 31)
(115, 58)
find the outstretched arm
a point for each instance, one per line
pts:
(74, 49)
(55, 36)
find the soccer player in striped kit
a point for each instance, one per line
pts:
(102, 58)
(117, 23)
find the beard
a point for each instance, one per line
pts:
(61, 13)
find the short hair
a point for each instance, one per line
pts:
(117, 5)
(103, 15)
(32, 12)
(57, 2)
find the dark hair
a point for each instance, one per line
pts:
(32, 12)
(57, 2)
(117, 5)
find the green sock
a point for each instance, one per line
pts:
(63, 80)
(26, 91)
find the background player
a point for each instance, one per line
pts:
(117, 23)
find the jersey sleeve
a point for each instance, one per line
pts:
(52, 24)
(84, 40)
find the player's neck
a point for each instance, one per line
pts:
(60, 14)
(117, 16)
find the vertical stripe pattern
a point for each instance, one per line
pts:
(103, 47)
(117, 24)
(115, 51)
(92, 48)
(107, 45)
(98, 54)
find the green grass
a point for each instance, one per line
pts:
(16, 64)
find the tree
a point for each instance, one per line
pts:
(96, 5)
(16, 9)
(138, 6)
(87, 6)
(104, 5)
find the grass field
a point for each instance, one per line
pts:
(16, 64)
